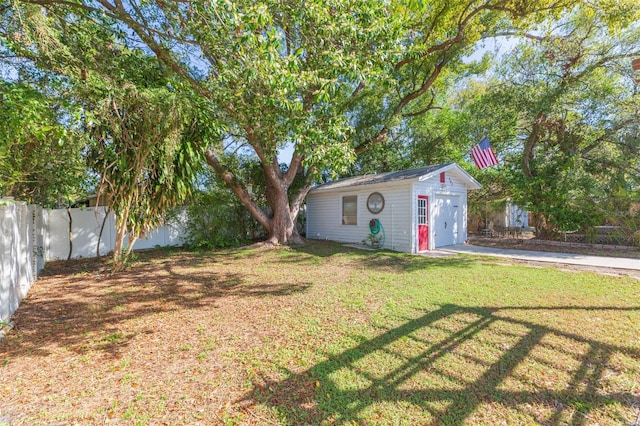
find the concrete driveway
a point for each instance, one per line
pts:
(542, 256)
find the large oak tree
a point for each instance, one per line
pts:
(329, 78)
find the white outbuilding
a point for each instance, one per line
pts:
(409, 210)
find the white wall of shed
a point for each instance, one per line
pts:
(400, 215)
(324, 215)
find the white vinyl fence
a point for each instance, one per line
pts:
(31, 236)
(78, 231)
(21, 254)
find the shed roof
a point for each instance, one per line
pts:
(419, 174)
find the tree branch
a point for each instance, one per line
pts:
(45, 3)
(445, 45)
(294, 165)
(297, 199)
(230, 180)
(378, 138)
(425, 109)
(358, 89)
(532, 140)
(517, 34)
(163, 55)
(429, 79)
(598, 142)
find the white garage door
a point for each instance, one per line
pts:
(445, 219)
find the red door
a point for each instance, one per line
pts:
(423, 224)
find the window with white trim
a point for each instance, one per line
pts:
(350, 210)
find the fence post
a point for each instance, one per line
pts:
(39, 230)
(7, 237)
(31, 247)
(5, 253)
(26, 251)
(46, 235)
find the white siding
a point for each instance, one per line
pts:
(324, 210)
(515, 216)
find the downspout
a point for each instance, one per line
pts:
(413, 234)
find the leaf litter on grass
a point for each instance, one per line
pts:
(321, 334)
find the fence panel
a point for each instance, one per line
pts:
(18, 254)
(57, 234)
(30, 236)
(85, 232)
(7, 217)
(169, 234)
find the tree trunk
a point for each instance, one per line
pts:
(104, 221)
(121, 231)
(281, 223)
(282, 227)
(132, 242)
(543, 229)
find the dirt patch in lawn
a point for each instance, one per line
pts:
(162, 336)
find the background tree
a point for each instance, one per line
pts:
(144, 153)
(41, 159)
(562, 111)
(336, 82)
(141, 130)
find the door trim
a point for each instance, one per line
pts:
(422, 224)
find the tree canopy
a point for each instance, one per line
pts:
(332, 79)
(564, 111)
(351, 86)
(40, 158)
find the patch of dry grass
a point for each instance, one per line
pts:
(322, 335)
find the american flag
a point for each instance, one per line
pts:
(483, 154)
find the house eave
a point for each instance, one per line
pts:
(371, 180)
(471, 182)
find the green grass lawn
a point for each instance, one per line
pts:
(329, 335)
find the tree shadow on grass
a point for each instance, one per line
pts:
(447, 366)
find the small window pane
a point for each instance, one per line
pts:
(422, 211)
(350, 210)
